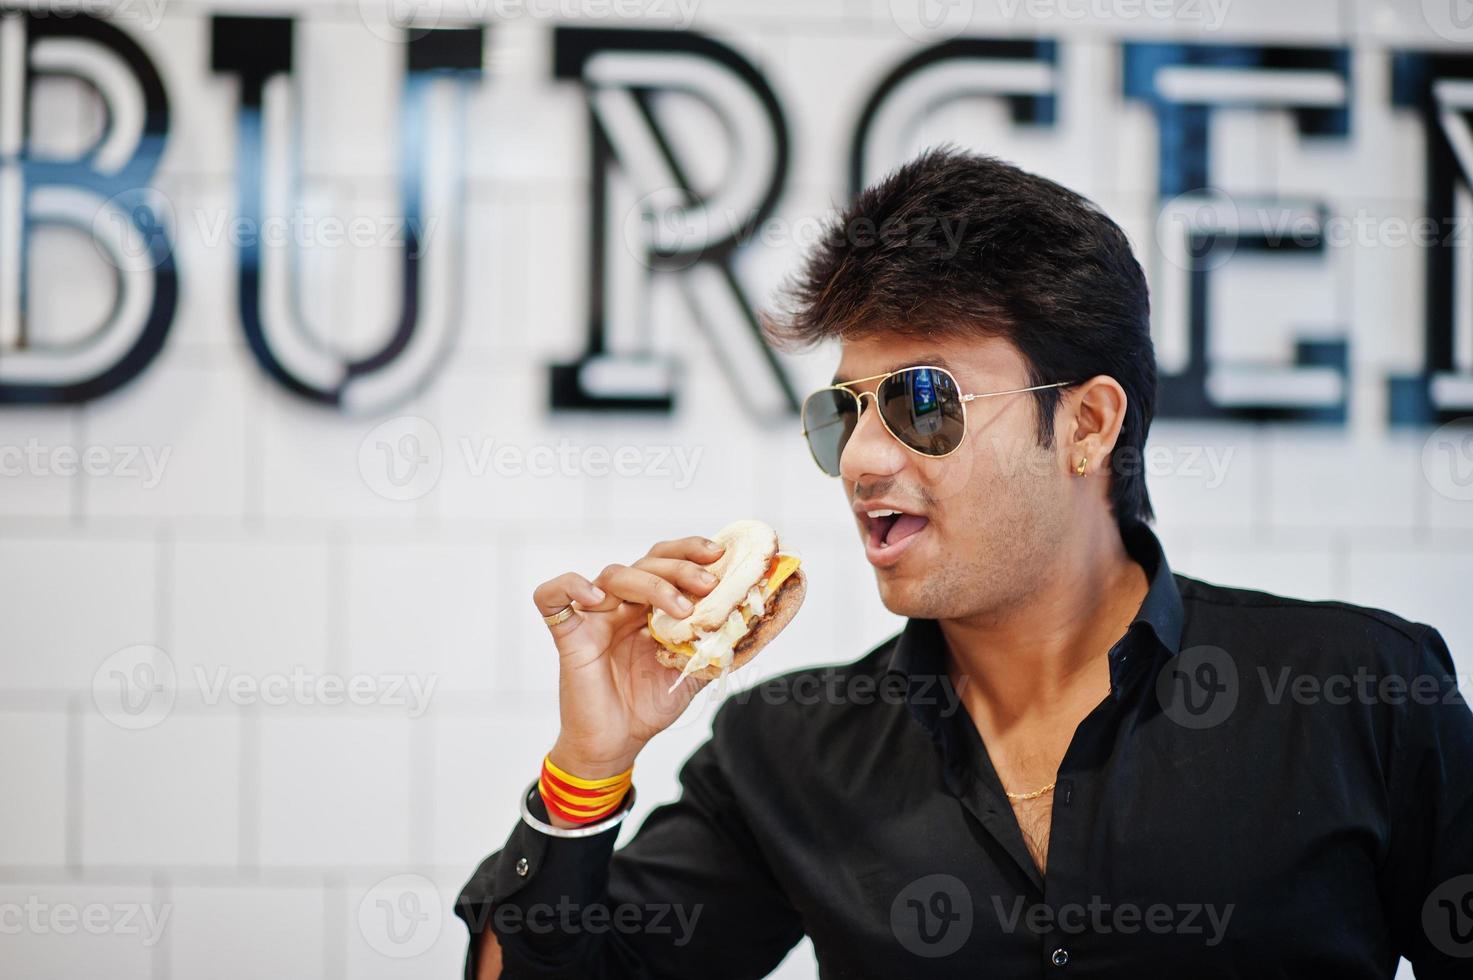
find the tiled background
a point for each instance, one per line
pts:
(271, 832)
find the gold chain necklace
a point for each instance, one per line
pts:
(1033, 795)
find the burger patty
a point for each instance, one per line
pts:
(768, 608)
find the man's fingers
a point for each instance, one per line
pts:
(554, 596)
(659, 579)
(639, 585)
(687, 575)
(555, 593)
(694, 548)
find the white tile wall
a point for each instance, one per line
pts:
(335, 789)
(483, 762)
(147, 794)
(33, 825)
(249, 606)
(270, 833)
(252, 931)
(68, 600)
(444, 628)
(168, 463)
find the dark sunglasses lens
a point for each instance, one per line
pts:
(828, 419)
(924, 409)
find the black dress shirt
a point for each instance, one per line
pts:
(1272, 788)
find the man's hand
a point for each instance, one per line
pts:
(613, 695)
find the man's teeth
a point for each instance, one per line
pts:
(881, 513)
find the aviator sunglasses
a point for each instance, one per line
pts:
(922, 407)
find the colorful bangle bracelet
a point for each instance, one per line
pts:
(572, 832)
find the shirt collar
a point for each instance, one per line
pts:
(1161, 610)
(919, 652)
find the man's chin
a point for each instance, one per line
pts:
(905, 598)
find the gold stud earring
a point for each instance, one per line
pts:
(1079, 470)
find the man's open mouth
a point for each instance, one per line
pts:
(889, 527)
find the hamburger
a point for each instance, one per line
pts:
(759, 590)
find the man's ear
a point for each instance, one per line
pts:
(1096, 413)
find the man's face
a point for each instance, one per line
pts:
(990, 515)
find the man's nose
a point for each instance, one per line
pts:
(871, 450)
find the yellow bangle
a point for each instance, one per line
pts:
(605, 783)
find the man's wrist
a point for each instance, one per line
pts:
(587, 768)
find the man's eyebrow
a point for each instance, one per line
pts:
(932, 360)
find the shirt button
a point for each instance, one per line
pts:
(1060, 957)
(522, 867)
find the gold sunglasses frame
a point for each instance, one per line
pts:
(858, 397)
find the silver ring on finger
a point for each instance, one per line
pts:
(562, 615)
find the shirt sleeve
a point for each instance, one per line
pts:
(1431, 786)
(691, 890)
